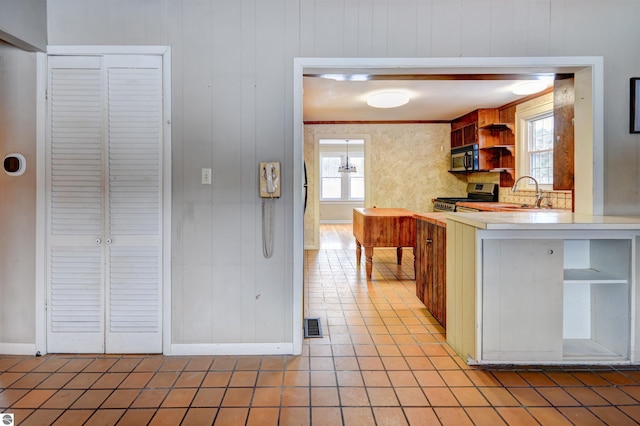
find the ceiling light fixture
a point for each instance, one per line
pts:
(529, 87)
(388, 99)
(347, 167)
(346, 77)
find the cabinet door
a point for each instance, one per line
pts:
(421, 260)
(430, 268)
(522, 282)
(456, 138)
(438, 272)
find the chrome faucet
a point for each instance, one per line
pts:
(539, 196)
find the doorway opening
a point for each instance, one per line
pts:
(589, 173)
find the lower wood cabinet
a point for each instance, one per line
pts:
(430, 268)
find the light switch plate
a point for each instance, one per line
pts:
(206, 176)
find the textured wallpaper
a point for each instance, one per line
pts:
(408, 166)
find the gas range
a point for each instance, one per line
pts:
(485, 192)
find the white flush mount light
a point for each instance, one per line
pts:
(390, 99)
(346, 77)
(530, 87)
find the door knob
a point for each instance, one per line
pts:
(109, 241)
(98, 241)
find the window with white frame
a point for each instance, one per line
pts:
(540, 148)
(534, 150)
(335, 185)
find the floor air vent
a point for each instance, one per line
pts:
(312, 327)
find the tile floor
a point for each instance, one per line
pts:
(382, 361)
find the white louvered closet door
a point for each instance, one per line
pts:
(104, 186)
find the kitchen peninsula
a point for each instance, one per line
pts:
(540, 287)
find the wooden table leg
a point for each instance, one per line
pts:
(358, 253)
(399, 255)
(368, 253)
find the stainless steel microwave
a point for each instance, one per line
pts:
(464, 158)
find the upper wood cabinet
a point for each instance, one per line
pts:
(492, 130)
(472, 128)
(563, 134)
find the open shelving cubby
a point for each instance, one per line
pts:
(596, 300)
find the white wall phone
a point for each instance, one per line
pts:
(269, 188)
(270, 179)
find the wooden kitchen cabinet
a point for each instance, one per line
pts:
(431, 268)
(494, 134)
(469, 128)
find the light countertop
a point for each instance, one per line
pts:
(492, 206)
(539, 220)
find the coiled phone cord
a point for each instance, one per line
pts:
(267, 240)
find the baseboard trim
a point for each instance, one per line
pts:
(18, 348)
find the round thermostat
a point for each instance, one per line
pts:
(14, 164)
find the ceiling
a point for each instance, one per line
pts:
(441, 97)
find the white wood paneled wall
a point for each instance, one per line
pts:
(232, 107)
